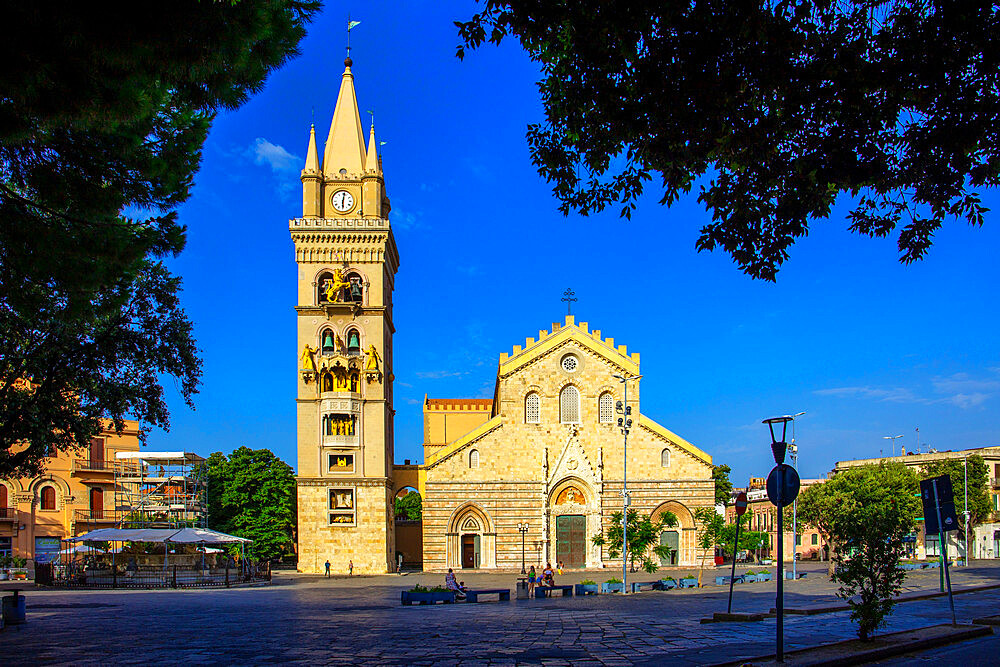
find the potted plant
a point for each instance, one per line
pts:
(764, 575)
(688, 582)
(613, 585)
(587, 587)
(423, 595)
(749, 577)
(668, 583)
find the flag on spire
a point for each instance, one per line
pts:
(352, 24)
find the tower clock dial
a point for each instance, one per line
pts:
(342, 201)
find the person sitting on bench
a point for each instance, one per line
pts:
(548, 576)
(452, 585)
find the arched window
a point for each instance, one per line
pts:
(353, 342)
(327, 342)
(606, 408)
(354, 381)
(326, 381)
(355, 291)
(324, 280)
(532, 408)
(3, 496)
(474, 458)
(665, 458)
(569, 405)
(48, 497)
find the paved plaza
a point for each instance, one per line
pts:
(359, 620)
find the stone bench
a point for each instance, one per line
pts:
(545, 591)
(644, 585)
(502, 593)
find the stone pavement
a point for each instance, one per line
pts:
(359, 621)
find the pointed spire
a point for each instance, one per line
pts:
(373, 165)
(312, 158)
(345, 145)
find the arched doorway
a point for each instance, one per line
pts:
(408, 509)
(682, 538)
(471, 539)
(574, 519)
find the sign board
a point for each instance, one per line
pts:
(789, 485)
(741, 503)
(945, 504)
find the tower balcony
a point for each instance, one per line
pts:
(340, 440)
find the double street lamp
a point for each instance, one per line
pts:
(522, 528)
(625, 423)
(892, 447)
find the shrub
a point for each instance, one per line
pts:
(588, 582)
(612, 580)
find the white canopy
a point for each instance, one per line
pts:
(159, 535)
(81, 549)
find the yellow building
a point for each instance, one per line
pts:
(75, 494)
(545, 450)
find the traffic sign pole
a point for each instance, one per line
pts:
(942, 535)
(741, 508)
(780, 656)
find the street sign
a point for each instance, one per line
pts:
(945, 501)
(741, 503)
(789, 486)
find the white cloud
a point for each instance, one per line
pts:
(280, 160)
(413, 401)
(959, 389)
(894, 395)
(439, 375)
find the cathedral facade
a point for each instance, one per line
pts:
(541, 461)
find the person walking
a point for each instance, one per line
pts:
(327, 567)
(531, 581)
(350, 568)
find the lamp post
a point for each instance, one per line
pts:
(966, 489)
(778, 448)
(892, 447)
(794, 449)
(522, 528)
(625, 423)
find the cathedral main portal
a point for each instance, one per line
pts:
(571, 540)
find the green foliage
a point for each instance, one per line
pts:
(588, 582)
(424, 589)
(750, 572)
(409, 507)
(776, 108)
(866, 511)
(723, 487)
(749, 539)
(102, 120)
(980, 506)
(613, 580)
(252, 494)
(643, 538)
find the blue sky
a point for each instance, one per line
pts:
(866, 346)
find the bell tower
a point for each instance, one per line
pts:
(347, 260)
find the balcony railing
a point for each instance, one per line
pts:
(8, 513)
(93, 465)
(95, 516)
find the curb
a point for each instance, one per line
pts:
(723, 617)
(840, 653)
(812, 611)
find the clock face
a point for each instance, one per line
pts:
(342, 200)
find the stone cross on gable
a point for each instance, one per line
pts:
(569, 296)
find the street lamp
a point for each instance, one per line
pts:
(624, 423)
(522, 528)
(892, 447)
(778, 448)
(794, 449)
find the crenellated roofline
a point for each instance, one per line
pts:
(560, 333)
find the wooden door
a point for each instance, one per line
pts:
(97, 503)
(97, 453)
(571, 540)
(468, 551)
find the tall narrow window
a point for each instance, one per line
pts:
(665, 458)
(532, 408)
(48, 498)
(353, 342)
(569, 405)
(474, 458)
(326, 341)
(97, 453)
(606, 408)
(97, 503)
(3, 496)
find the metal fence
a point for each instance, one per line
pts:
(75, 575)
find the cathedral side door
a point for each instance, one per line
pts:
(671, 540)
(469, 551)
(571, 540)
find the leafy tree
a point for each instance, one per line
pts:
(252, 494)
(723, 487)
(409, 506)
(643, 538)
(866, 511)
(980, 506)
(773, 109)
(102, 120)
(712, 524)
(750, 540)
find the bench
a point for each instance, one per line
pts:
(545, 591)
(644, 586)
(502, 593)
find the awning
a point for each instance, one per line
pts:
(158, 535)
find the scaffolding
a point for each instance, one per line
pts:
(160, 490)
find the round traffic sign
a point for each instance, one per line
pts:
(741, 503)
(789, 485)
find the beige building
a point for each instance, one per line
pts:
(76, 493)
(545, 450)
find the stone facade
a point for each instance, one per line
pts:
(548, 455)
